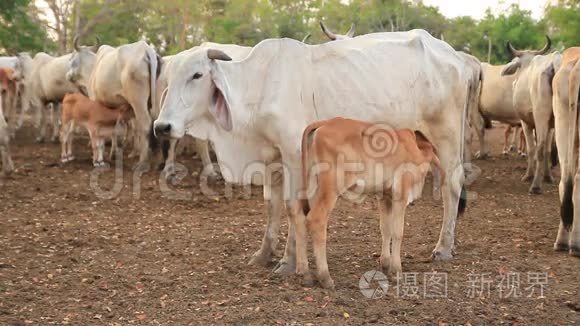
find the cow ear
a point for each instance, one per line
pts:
(220, 109)
(219, 106)
(511, 67)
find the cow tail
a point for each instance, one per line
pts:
(567, 207)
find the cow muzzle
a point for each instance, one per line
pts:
(162, 129)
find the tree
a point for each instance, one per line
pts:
(564, 23)
(20, 29)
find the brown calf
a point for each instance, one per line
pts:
(342, 155)
(98, 119)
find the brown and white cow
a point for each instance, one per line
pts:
(566, 99)
(98, 119)
(344, 155)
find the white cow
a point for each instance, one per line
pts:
(566, 99)
(532, 102)
(116, 76)
(202, 146)
(264, 101)
(7, 164)
(47, 84)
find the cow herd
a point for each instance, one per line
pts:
(271, 109)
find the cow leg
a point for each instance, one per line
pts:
(169, 168)
(561, 127)
(7, 164)
(548, 178)
(531, 149)
(274, 198)
(202, 148)
(479, 126)
(385, 215)
(55, 121)
(42, 121)
(506, 136)
(541, 120)
(513, 142)
(142, 126)
(449, 154)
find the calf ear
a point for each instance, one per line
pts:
(511, 67)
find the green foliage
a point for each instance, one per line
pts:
(174, 25)
(564, 23)
(19, 31)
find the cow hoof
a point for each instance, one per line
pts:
(504, 153)
(142, 167)
(481, 156)
(260, 259)
(70, 158)
(307, 280)
(512, 149)
(575, 251)
(327, 283)
(39, 140)
(64, 159)
(535, 190)
(441, 256)
(561, 247)
(284, 268)
(522, 154)
(527, 178)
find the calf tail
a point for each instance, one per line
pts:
(306, 141)
(567, 207)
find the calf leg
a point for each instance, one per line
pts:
(397, 226)
(531, 149)
(64, 134)
(385, 215)
(317, 220)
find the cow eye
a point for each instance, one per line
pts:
(197, 75)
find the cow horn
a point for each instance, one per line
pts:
(351, 31)
(76, 45)
(214, 54)
(328, 33)
(306, 38)
(546, 47)
(96, 46)
(512, 50)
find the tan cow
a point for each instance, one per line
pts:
(98, 119)
(566, 99)
(341, 155)
(532, 102)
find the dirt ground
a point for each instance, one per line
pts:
(67, 256)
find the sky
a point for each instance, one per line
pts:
(476, 8)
